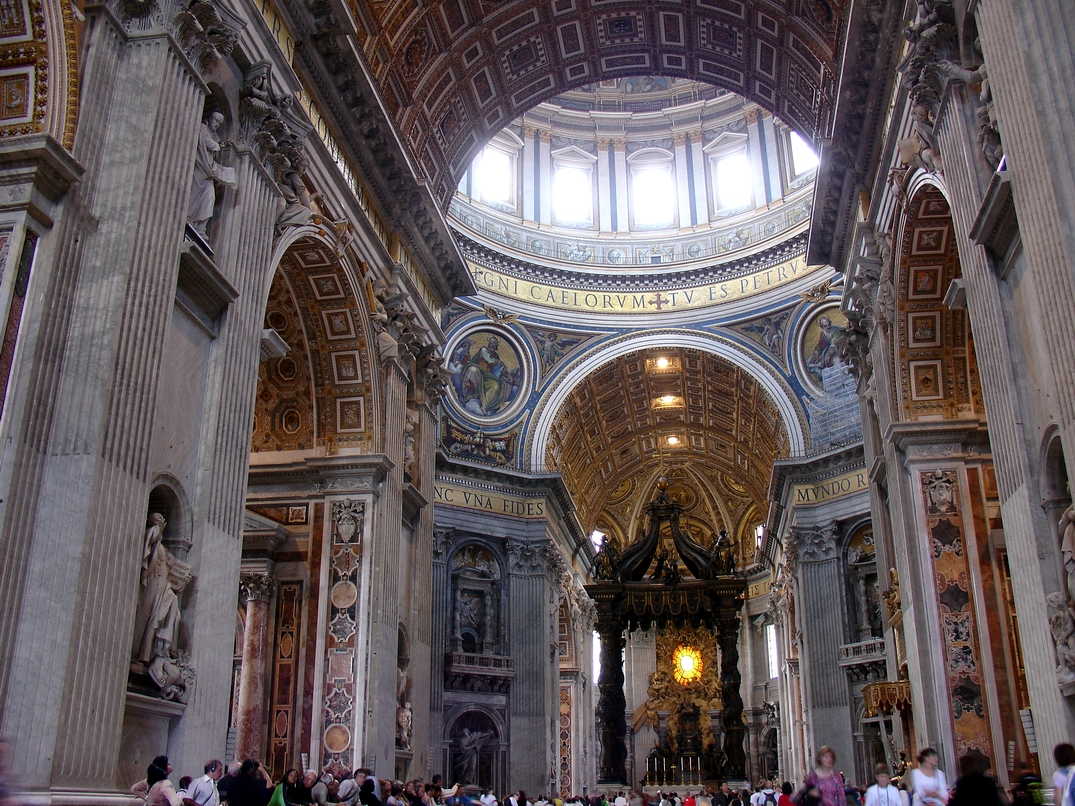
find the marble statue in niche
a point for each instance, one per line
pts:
(157, 619)
(470, 746)
(1061, 604)
(208, 174)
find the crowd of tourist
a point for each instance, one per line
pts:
(249, 784)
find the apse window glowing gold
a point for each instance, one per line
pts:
(687, 663)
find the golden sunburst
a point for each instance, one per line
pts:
(686, 664)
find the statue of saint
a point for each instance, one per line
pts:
(1067, 549)
(157, 619)
(470, 745)
(208, 173)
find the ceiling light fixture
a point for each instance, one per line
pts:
(662, 363)
(666, 399)
(673, 440)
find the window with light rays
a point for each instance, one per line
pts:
(654, 197)
(493, 173)
(803, 158)
(735, 183)
(572, 195)
(686, 664)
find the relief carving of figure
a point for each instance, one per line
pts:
(403, 725)
(297, 206)
(1067, 549)
(208, 174)
(1062, 627)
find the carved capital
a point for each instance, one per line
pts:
(257, 586)
(679, 139)
(813, 545)
(525, 557)
(752, 116)
(442, 541)
(545, 136)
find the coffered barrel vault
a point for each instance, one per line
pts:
(455, 72)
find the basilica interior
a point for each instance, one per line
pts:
(556, 395)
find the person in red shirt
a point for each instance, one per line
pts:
(785, 795)
(688, 799)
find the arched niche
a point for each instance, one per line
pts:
(322, 394)
(477, 608)
(936, 370)
(477, 748)
(167, 498)
(864, 582)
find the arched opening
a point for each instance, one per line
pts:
(695, 418)
(477, 753)
(937, 369)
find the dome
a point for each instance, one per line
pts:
(637, 177)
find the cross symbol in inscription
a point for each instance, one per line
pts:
(659, 301)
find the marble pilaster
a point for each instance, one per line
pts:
(682, 182)
(820, 585)
(619, 159)
(604, 186)
(75, 463)
(544, 177)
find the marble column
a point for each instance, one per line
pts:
(423, 615)
(771, 147)
(258, 589)
(1008, 371)
(536, 675)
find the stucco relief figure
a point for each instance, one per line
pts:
(297, 206)
(470, 746)
(1067, 549)
(1062, 627)
(208, 174)
(403, 725)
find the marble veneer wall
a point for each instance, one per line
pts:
(535, 555)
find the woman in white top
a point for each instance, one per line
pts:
(883, 793)
(927, 782)
(1064, 756)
